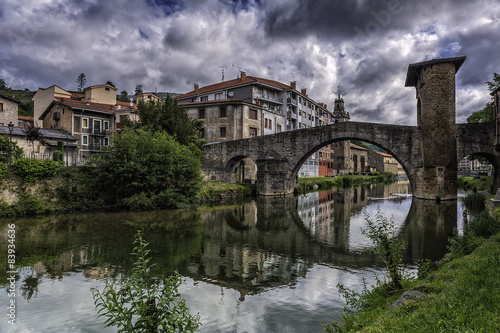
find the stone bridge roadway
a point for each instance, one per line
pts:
(279, 156)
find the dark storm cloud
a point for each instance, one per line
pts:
(362, 46)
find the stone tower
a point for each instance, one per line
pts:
(341, 150)
(434, 81)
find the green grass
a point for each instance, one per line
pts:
(480, 184)
(463, 296)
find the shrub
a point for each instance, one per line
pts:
(29, 205)
(484, 225)
(57, 156)
(3, 170)
(30, 170)
(474, 202)
(145, 303)
(382, 232)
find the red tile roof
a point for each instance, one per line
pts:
(235, 83)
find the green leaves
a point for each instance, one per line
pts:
(31, 170)
(383, 233)
(146, 170)
(144, 303)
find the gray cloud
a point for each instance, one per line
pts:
(362, 46)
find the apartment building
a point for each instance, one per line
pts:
(88, 116)
(251, 106)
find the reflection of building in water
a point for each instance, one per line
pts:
(74, 259)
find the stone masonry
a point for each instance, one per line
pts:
(429, 152)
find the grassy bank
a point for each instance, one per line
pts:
(460, 293)
(225, 192)
(482, 183)
(305, 185)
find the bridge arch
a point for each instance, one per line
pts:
(339, 137)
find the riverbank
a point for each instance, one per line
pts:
(460, 292)
(305, 185)
(461, 296)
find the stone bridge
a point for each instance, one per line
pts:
(429, 152)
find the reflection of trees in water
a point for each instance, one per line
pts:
(29, 288)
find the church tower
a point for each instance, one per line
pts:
(342, 149)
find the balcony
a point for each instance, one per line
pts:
(101, 132)
(291, 101)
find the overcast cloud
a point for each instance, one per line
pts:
(362, 47)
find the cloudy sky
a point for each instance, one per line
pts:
(362, 47)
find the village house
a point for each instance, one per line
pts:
(383, 162)
(15, 127)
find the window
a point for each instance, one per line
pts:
(253, 131)
(106, 142)
(222, 132)
(85, 140)
(252, 114)
(76, 124)
(201, 113)
(106, 125)
(265, 123)
(97, 126)
(85, 123)
(222, 112)
(270, 124)
(107, 88)
(218, 96)
(278, 128)
(1, 107)
(204, 98)
(230, 93)
(96, 143)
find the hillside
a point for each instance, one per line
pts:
(25, 96)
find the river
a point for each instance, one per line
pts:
(271, 265)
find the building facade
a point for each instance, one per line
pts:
(383, 162)
(8, 110)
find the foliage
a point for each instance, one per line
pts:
(3, 170)
(145, 303)
(57, 156)
(3, 85)
(145, 169)
(483, 225)
(461, 244)
(123, 96)
(383, 233)
(30, 170)
(28, 204)
(474, 202)
(33, 133)
(170, 117)
(82, 81)
(486, 114)
(9, 150)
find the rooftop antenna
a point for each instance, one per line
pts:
(239, 69)
(223, 67)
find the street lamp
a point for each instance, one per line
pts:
(11, 128)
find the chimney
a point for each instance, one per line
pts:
(293, 84)
(303, 92)
(243, 76)
(196, 87)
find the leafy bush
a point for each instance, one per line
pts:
(461, 245)
(57, 156)
(483, 225)
(474, 202)
(382, 232)
(30, 170)
(3, 170)
(145, 303)
(9, 151)
(29, 205)
(145, 165)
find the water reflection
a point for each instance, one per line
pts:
(271, 265)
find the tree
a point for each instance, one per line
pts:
(33, 133)
(110, 83)
(487, 113)
(138, 89)
(145, 170)
(144, 303)
(82, 81)
(123, 96)
(3, 85)
(9, 151)
(172, 118)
